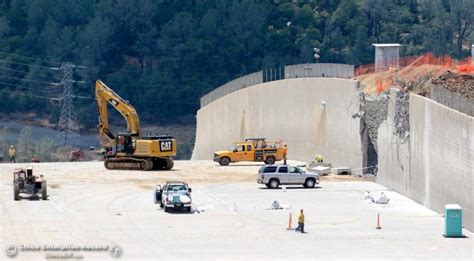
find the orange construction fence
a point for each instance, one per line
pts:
(462, 66)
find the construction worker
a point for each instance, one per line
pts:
(285, 153)
(319, 158)
(300, 222)
(12, 153)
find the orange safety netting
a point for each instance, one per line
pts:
(412, 68)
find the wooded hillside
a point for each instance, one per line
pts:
(164, 55)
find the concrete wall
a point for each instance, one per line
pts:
(393, 153)
(290, 110)
(452, 99)
(320, 70)
(232, 86)
(442, 154)
(439, 154)
(292, 71)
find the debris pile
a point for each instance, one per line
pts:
(459, 83)
(381, 199)
(375, 113)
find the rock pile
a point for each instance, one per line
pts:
(459, 83)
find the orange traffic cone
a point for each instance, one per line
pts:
(289, 223)
(378, 221)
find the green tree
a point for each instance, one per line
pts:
(462, 15)
(163, 56)
(17, 17)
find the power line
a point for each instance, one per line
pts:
(12, 70)
(33, 89)
(31, 95)
(82, 97)
(16, 85)
(33, 65)
(53, 98)
(150, 102)
(23, 79)
(29, 57)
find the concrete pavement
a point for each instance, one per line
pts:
(108, 209)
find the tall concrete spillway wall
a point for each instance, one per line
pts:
(312, 115)
(434, 166)
(337, 70)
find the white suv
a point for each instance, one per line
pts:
(275, 175)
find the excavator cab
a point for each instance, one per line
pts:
(125, 143)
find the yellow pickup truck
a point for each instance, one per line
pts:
(255, 149)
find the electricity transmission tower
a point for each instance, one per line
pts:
(67, 125)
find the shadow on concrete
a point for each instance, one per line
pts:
(292, 188)
(31, 198)
(173, 211)
(243, 165)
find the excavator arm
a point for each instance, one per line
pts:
(104, 95)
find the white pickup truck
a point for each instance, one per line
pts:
(174, 194)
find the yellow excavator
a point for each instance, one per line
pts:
(130, 150)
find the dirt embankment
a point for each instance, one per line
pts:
(462, 84)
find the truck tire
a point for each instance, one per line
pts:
(16, 191)
(161, 205)
(224, 161)
(44, 191)
(270, 160)
(309, 183)
(273, 183)
(166, 209)
(188, 209)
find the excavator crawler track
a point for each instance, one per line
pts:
(139, 164)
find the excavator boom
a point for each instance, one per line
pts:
(130, 150)
(106, 95)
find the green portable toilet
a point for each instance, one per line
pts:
(453, 220)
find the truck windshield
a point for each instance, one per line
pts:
(237, 147)
(177, 188)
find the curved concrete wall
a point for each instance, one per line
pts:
(290, 71)
(290, 110)
(435, 166)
